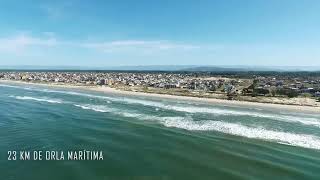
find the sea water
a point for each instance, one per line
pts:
(150, 138)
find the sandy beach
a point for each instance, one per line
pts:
(105, 89)
(211, 100)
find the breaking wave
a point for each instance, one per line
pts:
(187, 123)
(75, 93)
(301, 140)
(42, 99)
(10, 86)
(97, 108)
(218, 111)
(314, 121)
(106, 109)
(214, 111)
(58, 91)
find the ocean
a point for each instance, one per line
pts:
(151, 138)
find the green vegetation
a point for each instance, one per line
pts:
(306, 95)
(273, 91)
(260, 91)
(145, 89)
(292, 94)
(287, 92)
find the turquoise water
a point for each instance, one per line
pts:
(150, 138)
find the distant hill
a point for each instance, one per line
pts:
(250, 68)
(212, 69)
(186, 68)
(152, 68)
(116, 68)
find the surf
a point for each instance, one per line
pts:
(39, 99)
(193, 109)
(301, 140)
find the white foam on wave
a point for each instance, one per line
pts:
(144, 102)
(40, 99)
(217, 111)
(115, 111)
(10, 86)
(131, 115)
(314, 121)
(59, 91)
(97, 108)
(187, 123)
(79, 94)
(301, 140)
(17, 87)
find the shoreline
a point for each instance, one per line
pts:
(105, 89)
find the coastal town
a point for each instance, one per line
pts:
(278, 89)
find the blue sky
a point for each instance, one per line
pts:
(164, 32)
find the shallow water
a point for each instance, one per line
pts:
(147, 138)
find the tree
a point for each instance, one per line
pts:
(145, 88)
(306, 95)
(261, 91)
(273, 91)
(255, 82)
(254, 94)
(292, 94)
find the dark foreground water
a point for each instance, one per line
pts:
(149, 138)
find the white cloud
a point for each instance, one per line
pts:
(139, 45)
(21, 42)
(47, 45)
(24, 41)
